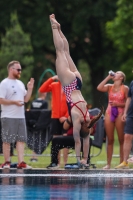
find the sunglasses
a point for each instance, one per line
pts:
(19, 70)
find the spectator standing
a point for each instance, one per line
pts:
(117, 95)
(13, 95)
(128, 130)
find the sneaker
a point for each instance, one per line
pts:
(53, 166)
(123, 165)
(6, 165)
(23, 165)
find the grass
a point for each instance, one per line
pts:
(44, 159)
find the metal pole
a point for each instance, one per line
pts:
(41, 77)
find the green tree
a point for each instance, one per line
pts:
(86, 87)
(120, 31)
(16, 45)
(83, 23)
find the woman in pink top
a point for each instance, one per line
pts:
(117, 95)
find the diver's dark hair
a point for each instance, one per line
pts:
(85, 130)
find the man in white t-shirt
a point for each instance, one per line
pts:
(13, 95)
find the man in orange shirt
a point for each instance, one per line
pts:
(59, 107)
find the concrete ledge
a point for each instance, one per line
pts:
(60, 172)
(87, 178)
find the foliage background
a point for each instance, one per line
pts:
(100, 34)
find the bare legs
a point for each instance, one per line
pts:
(110, 127)
(65, 152)
(77, 146)
(20, 151)
(65, 155)
(67, 72)
(126, 151)
(6, 151)
(127, 146)
(72, 66)
(62, 65)
(86, 143)
(120, 131)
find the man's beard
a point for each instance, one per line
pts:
(17, 76)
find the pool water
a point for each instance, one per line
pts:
(73, 192)
(65, 188)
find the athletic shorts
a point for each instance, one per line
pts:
(56, 127)
(13, 130)
(128, 129)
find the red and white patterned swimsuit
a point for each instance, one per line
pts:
(75, 85)
(118, 97)
(68, 90)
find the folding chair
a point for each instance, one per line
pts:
(99, 133)
(38, 129)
